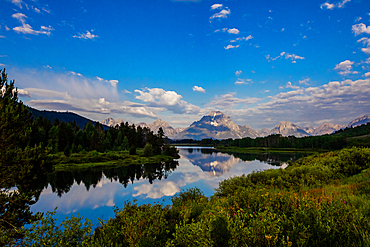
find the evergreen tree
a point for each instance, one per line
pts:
(20, 165)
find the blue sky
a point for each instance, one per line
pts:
(260, 62)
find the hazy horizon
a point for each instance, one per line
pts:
(260, 62)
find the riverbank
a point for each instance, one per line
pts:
(107, 159)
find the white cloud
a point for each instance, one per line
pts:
(304, 81)
(86, 35)
(112, 82)
(199, 89)
(229, 101)
(366, 42)
(332, 6)
(222, 14)
(367, 74)
(237, 73)
(126, 91)
(360, 28)
(23, 93)
(231, 47)
(170, 100)
(358, 19)
(243, 81)
(18, 3)
(289, 85)
(74, 73)
(341, 4)
(27, 29)
(216, 6)
(285, 55)
(159, 96)
(345, 68)
(242, 38)
(233, 31)
(69, 91)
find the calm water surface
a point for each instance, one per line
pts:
(94, 193)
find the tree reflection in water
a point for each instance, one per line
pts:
(62, 181)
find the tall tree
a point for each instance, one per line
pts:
(20, 165)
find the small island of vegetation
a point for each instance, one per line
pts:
(319, 200)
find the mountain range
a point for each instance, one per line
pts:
(217, 125)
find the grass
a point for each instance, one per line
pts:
(107, 159)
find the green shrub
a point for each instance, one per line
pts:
(133, 150)
(148, 150)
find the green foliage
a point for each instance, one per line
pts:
(133, 150)
(21, 165)
(148, 150)
(72, 231)
(134, 225)
(171, 151)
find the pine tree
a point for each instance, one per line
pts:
(20, 165)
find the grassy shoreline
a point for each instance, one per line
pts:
(108, 159)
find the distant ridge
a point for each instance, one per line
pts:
(217, 125)
(359, 121)
(62, 116)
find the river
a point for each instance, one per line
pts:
(94, 193)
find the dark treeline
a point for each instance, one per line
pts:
(62, 181)
(70, 138)
(354, 131)
(279, 141)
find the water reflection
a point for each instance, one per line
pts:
(62, 181)
(94, 192)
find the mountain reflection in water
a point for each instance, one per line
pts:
(93, 192)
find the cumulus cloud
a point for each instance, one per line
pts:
(18, 3)
(242, 38)
(233, 31)
(87, 35)
(343, 101)
(169, 100)
(27, 29)
(216, 6)
(237, 73)
(332, 6)
(304, 81)
(243, 81)
(367, 74)
(345, 68)
(366, 42)
(231, 47)
(199, 89)
(290, 85)
(360, 28)
(112, 82)
(222, 14)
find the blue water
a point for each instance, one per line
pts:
(197, 167)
